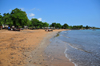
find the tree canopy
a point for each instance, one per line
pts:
(53, 25)
(1, 20)
(17, 17)
(56, 25)
(7, 19)
(45, 24)
(65, 26)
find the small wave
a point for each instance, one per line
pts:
(69, 58)
(74, 64)
(65, 36)
(65, 32)
(77, 48)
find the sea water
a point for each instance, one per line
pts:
(82, 46)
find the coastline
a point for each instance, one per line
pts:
(28, 51)
(38, 55)
(40, 58)
(55, 53)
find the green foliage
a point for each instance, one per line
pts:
(58, 25)
(34, 22)
(19, 17)
(45, 24)
(39, 24)
(87, 27)
(29, 23)
(80, 27)
(7, 19)
(76, 27)
(70, 27)
(53, 25)
(65, 26)
(1, 20)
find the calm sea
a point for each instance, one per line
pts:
(82, 46)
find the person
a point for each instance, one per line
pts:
(8, 28)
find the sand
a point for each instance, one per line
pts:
(26, 48)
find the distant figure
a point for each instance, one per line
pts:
(48, 30)
(8, 28)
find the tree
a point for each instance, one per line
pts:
(53, 25)
(74, 27)
(1, 20)
(65, 26)
(58, 25)
(7, 19)
(19, 17)
(35, 22)
(45, 24)
(29, 23)
(81, 26)
(70, 27)
(87, 27)
(40, 24)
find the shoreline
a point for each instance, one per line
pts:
(55, 53)
(40, 58)
(25, 48)
(38, 55)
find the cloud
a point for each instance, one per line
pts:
(38, 9)
(31, 14)
(34, 9)
(22, 9)
(44, 20)
(40, 19)
(10, 9)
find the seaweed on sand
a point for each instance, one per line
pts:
(57, 34)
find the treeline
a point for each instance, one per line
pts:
(18, 18)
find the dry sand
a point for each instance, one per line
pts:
(26, 48)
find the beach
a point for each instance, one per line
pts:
(28, 48)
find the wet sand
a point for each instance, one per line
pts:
(55, 53)
(26, 48)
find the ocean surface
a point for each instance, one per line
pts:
(82, 46)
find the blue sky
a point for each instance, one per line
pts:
(72, 12)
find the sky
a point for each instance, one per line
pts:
(72, 12)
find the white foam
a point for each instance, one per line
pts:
(74, 64)
(65, 32)
(68, 57)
